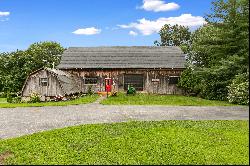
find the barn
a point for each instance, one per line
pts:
(49, 83)
(149, 69)
(101, 69)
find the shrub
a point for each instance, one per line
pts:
(16, 99)
(13, 97)
(238, 90)
(190, 82)
(10, 97)
(34, 98)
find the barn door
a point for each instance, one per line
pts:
(135, 80)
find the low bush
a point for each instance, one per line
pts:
(16, 99)
(13, 98)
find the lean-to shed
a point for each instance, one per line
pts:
(50, 82)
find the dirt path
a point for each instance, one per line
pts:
(16, 122)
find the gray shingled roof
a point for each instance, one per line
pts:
(122, 57)
(69, 83)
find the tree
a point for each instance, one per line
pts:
(219, 50)
(175, 35)
(43, 54)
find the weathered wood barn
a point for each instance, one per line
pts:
(50, 82)
(148, 69)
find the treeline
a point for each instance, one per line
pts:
(217, 53)
(16, 66)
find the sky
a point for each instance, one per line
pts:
(87, 23)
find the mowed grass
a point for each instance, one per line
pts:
(3, 100)
(81, 100)
(150, 99)
(165, 142)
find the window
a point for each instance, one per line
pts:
(173, 79)
(44, 81)
(90, 80)
(135, 80)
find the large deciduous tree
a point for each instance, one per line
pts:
(175, 35)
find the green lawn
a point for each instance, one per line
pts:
(3, 100)
(82, 100)
(177, 100)
(165, 142)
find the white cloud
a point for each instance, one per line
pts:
(133, 33)
(87, 31)
(4, 13)
(148, 27)
(158, 6)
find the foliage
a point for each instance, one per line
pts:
(81, 100)
(3, 95)
(239, 89)
(146, 99)
(13, 97)
(175, 35)
(211, 83)
(9, 97)
(134, 143)
(205, 47)
(35, 97)
(190, 81)
(15, 66)
(218, 51)
(17, 99)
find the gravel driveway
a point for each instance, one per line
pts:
(16, 122)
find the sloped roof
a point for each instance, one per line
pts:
(70, 83)
(122, 57)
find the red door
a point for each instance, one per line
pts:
(108, 84)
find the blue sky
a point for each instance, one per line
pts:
(93, 22)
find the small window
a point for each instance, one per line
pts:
(174, 79)
(90, 80)
(44, 81)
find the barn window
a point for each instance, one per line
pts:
(90, 80)
(135, 80)
(44, 81)
(174, 79)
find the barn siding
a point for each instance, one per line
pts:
(117, 75)
(33, 85)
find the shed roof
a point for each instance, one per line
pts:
(123, 57)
